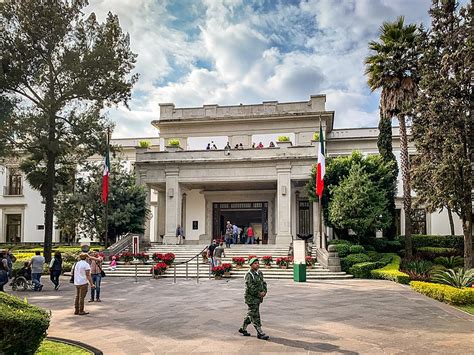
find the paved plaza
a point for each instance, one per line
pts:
(349, 317)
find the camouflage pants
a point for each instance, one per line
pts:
(253, 316)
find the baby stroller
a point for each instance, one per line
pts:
(22, 280)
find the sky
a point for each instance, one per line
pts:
(228, 52)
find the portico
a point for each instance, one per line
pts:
(262, 187)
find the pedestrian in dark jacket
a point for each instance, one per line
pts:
(255, 291)
(55, 269)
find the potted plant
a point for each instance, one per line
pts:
(282, 262)
(227, 268)
(126, 257)
(284, 141)
(143, 257)
(157, 257)
(238, 261)
(267, 261)
(173, 145)
(310, 261)
(218, 271)
(144, 144)
(158, 269)
(168, 259)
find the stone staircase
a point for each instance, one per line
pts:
(186, 252)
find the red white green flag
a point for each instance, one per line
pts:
(105, 176)
(321, 169)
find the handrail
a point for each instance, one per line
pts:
(120, 245)
(187, 263)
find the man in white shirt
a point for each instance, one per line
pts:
(37, 263)
(82, 277)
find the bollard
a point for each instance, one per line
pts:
(186, 271)
(174, 273)
(136, 272)
(197, 265)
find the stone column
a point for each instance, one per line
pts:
(146, 234)
(160, 224)
(283, 214)
(173, 197)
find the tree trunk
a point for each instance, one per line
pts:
(467, 231)
(405, 165)
(49, 208)
(451, 222)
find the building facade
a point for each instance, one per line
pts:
(250, 186)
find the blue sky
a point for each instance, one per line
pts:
(195, 52)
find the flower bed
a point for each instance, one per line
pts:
(391, 272)
(218, 271)
(158, 269)
(126, 257)
(445, 293)
(157, 257)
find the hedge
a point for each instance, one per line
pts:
(23, 326)
(391, 272)
(445, 293)
(362, 270)
(343, 250)
(437, 250)
(353, 259)
(383, 245)
(356, 249)
(441, 241)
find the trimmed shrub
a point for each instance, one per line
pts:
(445, 293)
(441, 241)
(383, 245)
(362, 270)
(353, 259)
(356, 249)
(343, 250)
(23, 326)
(391, 272)
(339, 241)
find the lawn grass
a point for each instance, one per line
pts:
(49, 347)
(467, 308)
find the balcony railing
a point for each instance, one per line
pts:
(12, 190)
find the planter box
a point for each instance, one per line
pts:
(227, 274)
(217, 277)
(173, 148)
(284, 144)
(268, 266)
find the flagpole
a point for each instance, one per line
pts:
(106, 237)
(320, 202)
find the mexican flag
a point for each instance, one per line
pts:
(321, 165)
(105, 176)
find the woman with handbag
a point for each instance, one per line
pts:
(97, 273)
(55, 268)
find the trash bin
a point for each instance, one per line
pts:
(299, 272)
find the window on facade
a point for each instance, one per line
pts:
(14, 186)
(418, 221)
(304, 217)
(13, 230)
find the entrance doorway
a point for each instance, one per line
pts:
(242, 214)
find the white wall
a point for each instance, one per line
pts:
(195, 211)
(438, 223)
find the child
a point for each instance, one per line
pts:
(113, 264)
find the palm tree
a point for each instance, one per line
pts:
(392, 67)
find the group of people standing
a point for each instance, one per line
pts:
(6, 267)
(236, 235)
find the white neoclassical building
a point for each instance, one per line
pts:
(202, 189)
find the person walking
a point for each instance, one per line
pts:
(37, 263)
(218, 252)
(95, 261)
(250, 236)
(82, 278)
(255, 291)
(235, 233)
(55, 268)
(210, 252)
(179, 234)
(10, 260)
(228, 234)
(3, 272)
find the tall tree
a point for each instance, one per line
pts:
(443, 128)
(392, 67)
(65, 67)
(127, 204)
(384, 144)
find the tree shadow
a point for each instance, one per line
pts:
(318, 347)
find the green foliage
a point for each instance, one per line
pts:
(283, 139)
(127, 207)
(315, 136)
(343, 250)
(391, 272)
(358, 204)
(383, 245)
(353, 259)
(454, 277)
(63, 68)
(174, 142)
(356, 249)
(445, 293)
(49, 347)
(442, 128)
(437, 250)
(439, 241)
(339, 241)
(449, 262)
(362, 270)
(417, 269)
(144, 144)
(23, 326)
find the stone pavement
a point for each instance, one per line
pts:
(348, 317)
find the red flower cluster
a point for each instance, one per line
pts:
(267, 259)
(168, 258)
(158, 269)
(127, 256)
(283, 261)
(227, 267)
(238, 260)
(157, 257)
(218, 270)
(141, 256)
(251, 256)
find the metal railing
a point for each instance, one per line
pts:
(120, 245)
(12, 190)
(187, 262)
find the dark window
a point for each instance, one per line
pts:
(195, 225)
(13, 228)
(14, 186)
(40, 227)
(304, 217)
(418, 221)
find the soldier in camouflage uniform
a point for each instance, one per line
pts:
(255, 291)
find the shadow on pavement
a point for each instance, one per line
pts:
(319, 347)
